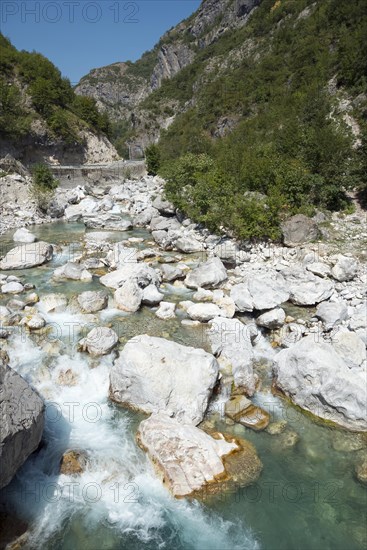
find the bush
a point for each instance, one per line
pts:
(43, 186)
(153, 159)
(42, 177)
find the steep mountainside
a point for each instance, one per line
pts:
(41, 118)
(190, 65)
(121, 88)
(259, 110)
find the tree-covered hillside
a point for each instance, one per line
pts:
(276, 122)
(33, 92)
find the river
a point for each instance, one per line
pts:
(306, 498)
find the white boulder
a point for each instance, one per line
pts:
(153, 374)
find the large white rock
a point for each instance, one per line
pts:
(305, 288)
(23, 235)
(154, 374)
(128, 297)
(230, 341)
(211, 273)
(36, 322)
(317, 379)
(203, 312)
(72, 271)
(12, 288)
(92, 300)
(74, 212)
(166, 311)
(170, 272)
(152, 296)
(358, 321)
(272, 319)
(27, 256)
(21, 421)
(141, 273)
(189, 245)
(242, 298)
(350, 347)
(267, 290)
(227, 251)
(319, 268)
(185, 456)
(120, 255)
(345, 269)
(99, 341)
(331, 313)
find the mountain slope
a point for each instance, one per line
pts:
(260, 113)
(41, 116)
(121, 88)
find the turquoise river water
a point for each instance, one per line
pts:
(307, 497)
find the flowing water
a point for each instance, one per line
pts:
(306, 498)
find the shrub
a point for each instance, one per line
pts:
(43, 186)
(153, 159)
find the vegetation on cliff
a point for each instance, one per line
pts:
(289, 149)
(33, 89)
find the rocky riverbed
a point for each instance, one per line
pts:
(125, 308)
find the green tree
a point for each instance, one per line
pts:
(153, 159)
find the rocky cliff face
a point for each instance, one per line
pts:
(122, 88)
(22, 420)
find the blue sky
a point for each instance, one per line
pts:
(79, 35)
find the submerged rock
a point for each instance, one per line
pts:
(276, 428)
(242, 410)
(317, 379)
(154, 374)
(53, 302)
(22, 421)
(361, 471)
(188, 460)
(27, 255)
(73, 462)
